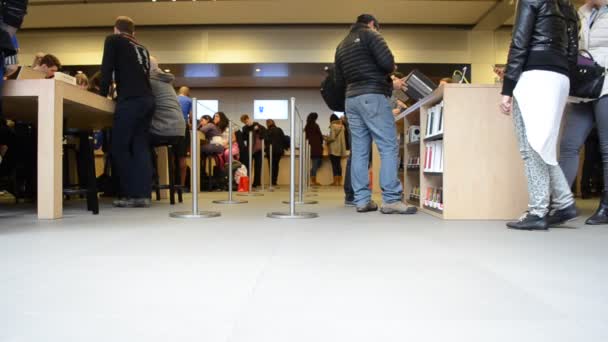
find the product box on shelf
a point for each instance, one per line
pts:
(434, 157)
(434, 123)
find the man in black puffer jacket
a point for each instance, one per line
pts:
(363, 65)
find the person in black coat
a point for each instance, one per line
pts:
(259, 134)
(275, 138)
(315, 139)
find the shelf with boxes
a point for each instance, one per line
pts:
(469, 164)
(411, 154)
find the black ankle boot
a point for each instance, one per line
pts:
(601, 215)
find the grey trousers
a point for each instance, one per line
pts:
(580, 118)
(547, 185)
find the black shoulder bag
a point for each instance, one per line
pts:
(587, 80)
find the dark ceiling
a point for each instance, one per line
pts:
(292, 75)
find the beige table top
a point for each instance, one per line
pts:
(81, 109)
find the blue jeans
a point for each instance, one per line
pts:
(370, 117)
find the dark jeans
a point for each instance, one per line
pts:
(315, 166)
(257, 166)
(580, 119)
(131, 146)
(336, 165)
(276, 161)
(349, 193)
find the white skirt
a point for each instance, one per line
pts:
(541, 97)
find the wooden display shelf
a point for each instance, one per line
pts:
(483, 176)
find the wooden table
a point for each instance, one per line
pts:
(47, 103)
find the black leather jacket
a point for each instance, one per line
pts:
(364, 63)
(545, 36)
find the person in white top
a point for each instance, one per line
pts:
(581, 117)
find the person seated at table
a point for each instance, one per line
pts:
(82, 81)
(49, 65)
(222, 122)
(213, 136)
(168, 125)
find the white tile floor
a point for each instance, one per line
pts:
(137, 275)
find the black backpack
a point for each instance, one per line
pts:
(333, 94)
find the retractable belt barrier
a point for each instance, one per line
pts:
(194, 158)
(293, 214)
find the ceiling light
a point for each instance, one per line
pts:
(258, 70)
(79, 72)
(167, 70)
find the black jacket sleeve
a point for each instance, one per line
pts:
(107, 65)
(379, 49)
(573, 30)
(519, 50)
(13, 12)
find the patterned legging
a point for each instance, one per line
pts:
(547, 185)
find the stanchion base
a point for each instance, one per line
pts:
(250, 194)
(230, 202)
(311, 195)
(191, 215)
(302, 203)
(287, 215)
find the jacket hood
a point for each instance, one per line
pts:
(162, 76)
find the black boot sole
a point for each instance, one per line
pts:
(596, 223)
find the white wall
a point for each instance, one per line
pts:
(236, 102)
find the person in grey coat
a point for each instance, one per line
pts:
(168, 125)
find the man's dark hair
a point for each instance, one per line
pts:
(50, 61)
(368, 18)
(125, 25)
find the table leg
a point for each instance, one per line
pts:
(50, 140)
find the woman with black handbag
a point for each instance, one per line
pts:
(536, 86)
(582, 116)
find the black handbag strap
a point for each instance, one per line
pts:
(586, 53)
